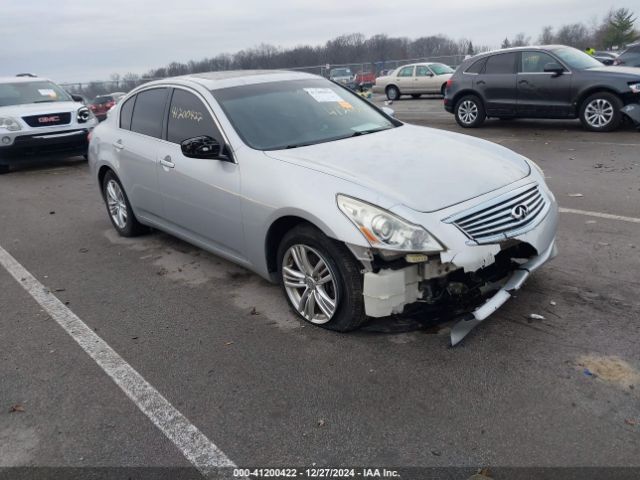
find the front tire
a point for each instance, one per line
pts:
(393, 93)
(469, 112)
(119, 208)
(600, 112)
(321, 279)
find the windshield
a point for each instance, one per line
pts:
(277, 115)
(440, 68)
(340, 72)
(576, 59)
(20, 93)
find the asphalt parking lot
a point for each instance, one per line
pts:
(219, 344)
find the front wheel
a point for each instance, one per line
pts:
(469, 112)
(119, 208)
(601, 112)
(393, 93)
(321, 279)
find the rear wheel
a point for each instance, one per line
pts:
(469, 112)
(321, 279)
(600, 112)
(393, 93)
(119, 208)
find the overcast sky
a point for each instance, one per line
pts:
(80, 40)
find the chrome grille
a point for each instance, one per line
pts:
(505, 216)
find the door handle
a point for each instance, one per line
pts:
(166, 162)
(481, 82)
(522, 82)
(118, 145)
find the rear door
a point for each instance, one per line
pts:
(497, 85)
(136, 146)
(540, 93)
(201, 197)
(405, 78)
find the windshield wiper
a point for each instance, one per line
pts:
(366, 132)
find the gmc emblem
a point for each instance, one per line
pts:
(51, 119)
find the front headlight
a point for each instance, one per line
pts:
(10, 124)
(635, 87)
(385, 230)
(84, 115)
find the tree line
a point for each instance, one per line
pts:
(377, 52)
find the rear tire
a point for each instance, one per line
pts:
(393, 93)
(600, 112)
(323, 269)
(119, 208)
(469, 112)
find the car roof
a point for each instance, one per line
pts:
(235, 78)
(23, 79)
(519, 49)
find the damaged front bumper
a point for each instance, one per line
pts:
(459, 279)
(517, 279)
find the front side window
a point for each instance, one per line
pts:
(500, 64)
(126, 112)
(148, 112)
(406, 72)
(423, 71)
(38, 91)
(441, 68)
(295, 113)
(189, 118)
(534, 62)
(576, 59)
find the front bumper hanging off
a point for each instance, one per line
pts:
(517, 279)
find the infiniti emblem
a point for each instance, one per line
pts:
(519, 211)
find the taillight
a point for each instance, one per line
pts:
(449, 82)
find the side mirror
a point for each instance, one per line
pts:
(553, 67)
(389, 111)
(204, 147)
(77, 98)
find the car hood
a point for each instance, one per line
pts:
(632, 73)
(423, 168)
(39, 108)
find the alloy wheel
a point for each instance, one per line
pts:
(117, 204)
(468, 112)
(309, 283)
(599, 113)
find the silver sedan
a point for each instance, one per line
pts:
(353, 212)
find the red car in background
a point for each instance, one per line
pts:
(365, 79)
(103, 103)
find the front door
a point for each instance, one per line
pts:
(201, 198)
(497, 85)
(540, 93)
(426, 81)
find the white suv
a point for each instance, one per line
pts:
(39, 120)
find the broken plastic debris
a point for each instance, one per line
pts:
(552, 303)
(576, 195)
(535, 316)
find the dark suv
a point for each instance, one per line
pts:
(541, 82)
(630, 57)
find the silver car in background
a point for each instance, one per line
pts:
(355, 213)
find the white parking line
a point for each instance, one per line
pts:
(608, 216)
(193, 444)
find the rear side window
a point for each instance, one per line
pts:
(125, 113)
(502, 63)
(477, 66)
(188, 118)
(149, 112)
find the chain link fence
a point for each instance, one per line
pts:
(94, 88)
